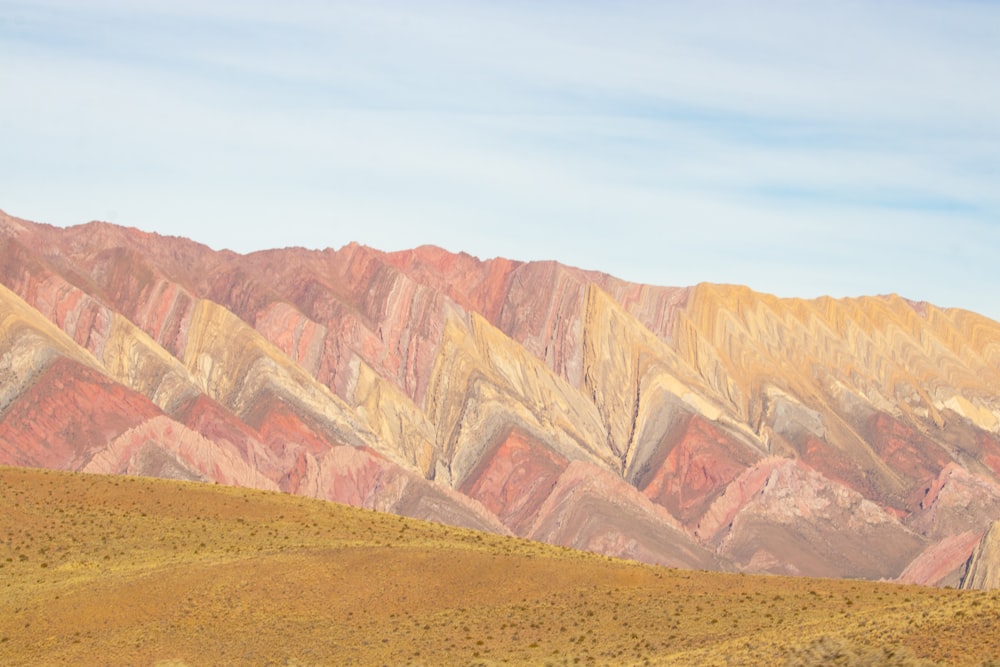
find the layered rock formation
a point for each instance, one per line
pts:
(984, 565)
(709, 427)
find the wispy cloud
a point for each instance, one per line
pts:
(800, 148)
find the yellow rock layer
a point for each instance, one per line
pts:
(984, 566)
(30, 342)
(131, 357)
(397, 422)
(236, 365)
(484, 383)
(633, 378)
(895, 358)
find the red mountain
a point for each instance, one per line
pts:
(707, 427)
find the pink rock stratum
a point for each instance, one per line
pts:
(707, 426)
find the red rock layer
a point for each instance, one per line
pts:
(69, 413)
(695, 470)
(709, 426)
(515, 480)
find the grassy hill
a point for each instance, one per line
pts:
(122, 570)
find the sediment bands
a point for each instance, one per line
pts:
(711, 426)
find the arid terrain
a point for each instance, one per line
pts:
(98, 569)
(708, 427)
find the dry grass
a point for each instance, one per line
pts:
(118, 570)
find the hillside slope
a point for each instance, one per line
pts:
(98, 569)
(709, 427)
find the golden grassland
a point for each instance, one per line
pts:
(122, 570)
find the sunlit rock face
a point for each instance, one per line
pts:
(984, 565)
(709, 427)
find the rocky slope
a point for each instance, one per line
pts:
(709, 427)
(984, 564)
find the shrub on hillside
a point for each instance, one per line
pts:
(838, 652)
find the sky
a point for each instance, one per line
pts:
(800, 148)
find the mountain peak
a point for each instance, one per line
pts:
(707, 426)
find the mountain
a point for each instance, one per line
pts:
(708, 427)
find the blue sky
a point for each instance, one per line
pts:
(800, 148)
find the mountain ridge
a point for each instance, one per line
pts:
(708, 426)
